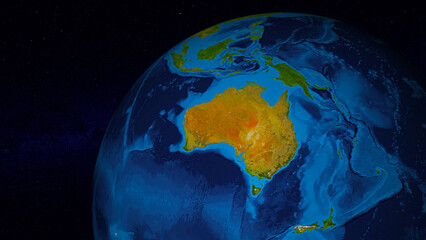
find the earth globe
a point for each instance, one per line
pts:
(271, 126)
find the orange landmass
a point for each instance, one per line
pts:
(243, 119)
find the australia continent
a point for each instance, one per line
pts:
(243, 119)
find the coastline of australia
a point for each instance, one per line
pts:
(274, 89)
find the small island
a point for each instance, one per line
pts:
(304, 228)
(255, 190)
(329, 221)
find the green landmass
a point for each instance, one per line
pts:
(256, 31)
(233, 73)
(255, 24)
(326, 224)
(255, 190)
(380, 171)
(289, 76)
(185, 48)
(178, 60)
(340, 155)
(321, 88)
(208, 31)
(329, 221)
(228, 57)
(255, 35)
(304, 228)
(194, 69)
(211, 52)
